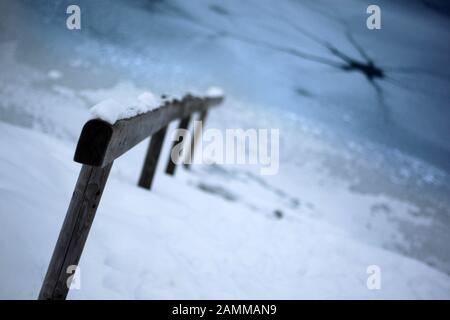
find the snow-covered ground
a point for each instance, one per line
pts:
(178, 242)
(344, 199)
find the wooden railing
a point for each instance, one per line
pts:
(100, 143)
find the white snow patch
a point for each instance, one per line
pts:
(149, 100)
(55, 74)
(214, 92)
(111, 110)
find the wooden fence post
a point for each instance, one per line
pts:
(100, 143)
(151, 158)
(171, 166)
(197, 135)
(75, 230)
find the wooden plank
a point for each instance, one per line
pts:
(196, 136)
(101, 143)
(74, 232)
(151, 159)
(171, 166)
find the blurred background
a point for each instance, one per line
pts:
(364, 155)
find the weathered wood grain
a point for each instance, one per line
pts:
(74, 232)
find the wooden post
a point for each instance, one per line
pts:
(171, 166)
(197, 135)
(151, 158)
(100, 143)
(75, 230)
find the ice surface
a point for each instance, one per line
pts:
(54, 74)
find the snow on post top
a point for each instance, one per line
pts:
(111, 111)
(214, 92)
(149, 100)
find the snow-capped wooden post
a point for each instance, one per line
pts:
(196, 136)
(171, 165)
(151, 159)
(100, 143)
